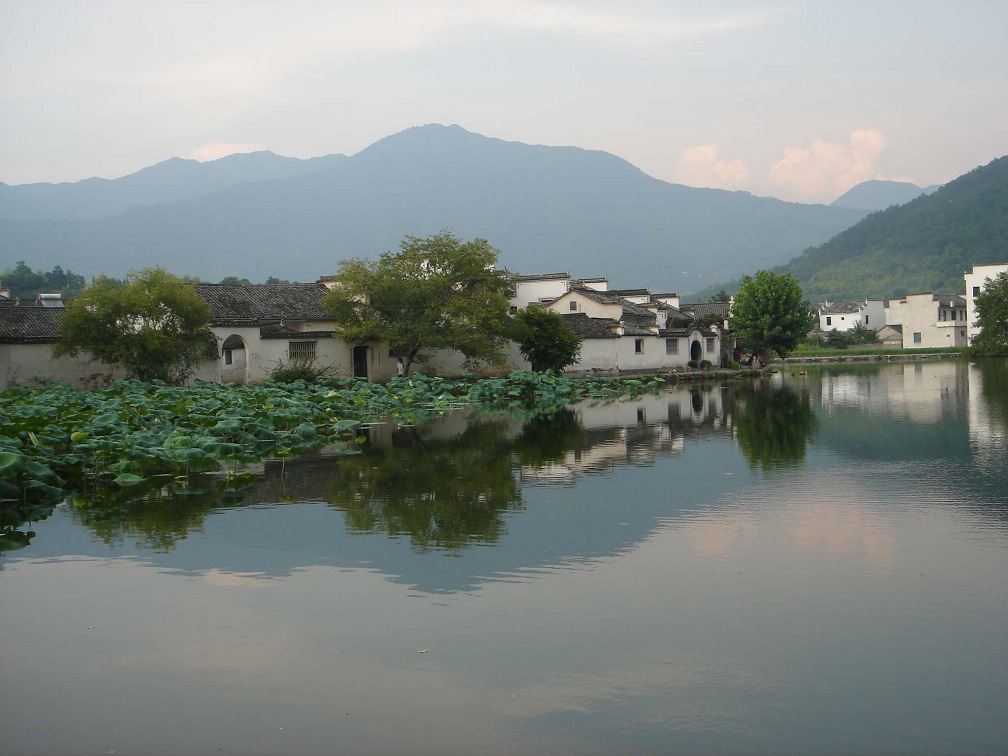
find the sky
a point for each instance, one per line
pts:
(797, 100)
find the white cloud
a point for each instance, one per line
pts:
(827, 169)
(699, 166)
(215, 150)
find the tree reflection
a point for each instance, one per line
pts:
(158, 521)
(548, 438)
(443, 495)
(994, 382)
(773, 425)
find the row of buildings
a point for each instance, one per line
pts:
(916, 321)
(259, 326)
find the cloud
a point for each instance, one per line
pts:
(215, 150)
(827, 169)
(699, 166)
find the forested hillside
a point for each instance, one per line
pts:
(924, 245)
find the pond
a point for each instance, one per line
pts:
(803, 563)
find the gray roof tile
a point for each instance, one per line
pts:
(255, 303)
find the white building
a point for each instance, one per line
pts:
(975, 282)
(845, 316)
(929, 320)
(543, 288)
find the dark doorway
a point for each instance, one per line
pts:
(695, 352)
(360, 357)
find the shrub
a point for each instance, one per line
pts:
(693, 364)
(300, 369)
(706, 364)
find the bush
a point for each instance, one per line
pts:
(706, 364)
(305, 369)
(693, 364)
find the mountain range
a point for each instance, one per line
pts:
(546, 208)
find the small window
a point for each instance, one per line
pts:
(829, 320)
(641, 415)
(962, 333)
(710, 344)
(917, 337)
(866, 320)
(976, 290)
(638, 346)
(671, 346)
(573, 305)
(513, 309)
(842, 317)
(228, 359)
(301, 350)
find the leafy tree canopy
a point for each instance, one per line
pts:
(152, 324)
(25, 283)
(546, 339)
(435, 293)
(721, 295)
(992, 318)
(234, 281)
(769, 314)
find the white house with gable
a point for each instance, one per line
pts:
(976, 281)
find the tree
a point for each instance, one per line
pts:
(546, 339)
(722, 296)
(152, 324)
(769, 314)
(234, 281)
(992, 318)
(435, 293)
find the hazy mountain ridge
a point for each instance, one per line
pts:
(876, 194)
(546, 208)
(172, 180)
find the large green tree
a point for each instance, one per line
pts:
(770, 315)
(992, 318)
(438, 292)
(546, 339)
(152, 324)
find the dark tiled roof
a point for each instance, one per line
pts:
(28, 324)
(254, 303)
(665, 295)
(629, 292)
(956, 299)
(632, 308)
(687, 331)
(839, 308)
(703, 309)
(591, 328)
(602, 297)
(541, 277)
(277, 332)
(602, 279)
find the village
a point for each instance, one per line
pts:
(623, 331)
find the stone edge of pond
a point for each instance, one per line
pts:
(854, 358)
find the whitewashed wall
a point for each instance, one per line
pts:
(27, 364)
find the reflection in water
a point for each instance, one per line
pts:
(441, 494)
(773, 424)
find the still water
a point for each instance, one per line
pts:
(811, 563)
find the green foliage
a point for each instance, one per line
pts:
(992, 318)
(859, 335)
(546, 339)
(26, 284)
(435, 293)
(924, 245)
(769, 314)
(307, 369)
(235, 281)
(721, 296)
(153, 324)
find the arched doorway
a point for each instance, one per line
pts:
(234, 360)
(696, 351)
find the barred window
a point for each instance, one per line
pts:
(639, 346)
(671, 346)
(710, 344)
(301, 350)
(573, 305)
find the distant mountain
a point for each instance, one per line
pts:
(546, 208)
(922, 246)
(169, 181)
(878, 195)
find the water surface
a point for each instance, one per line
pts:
(811, 563)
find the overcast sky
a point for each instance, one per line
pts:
(794, 100)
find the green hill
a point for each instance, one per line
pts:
(924, 245)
